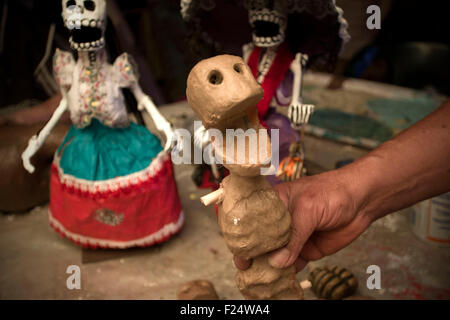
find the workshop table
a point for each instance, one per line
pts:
(34, 258)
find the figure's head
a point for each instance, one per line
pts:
(222, 89)
(268, 19)
(86, 20)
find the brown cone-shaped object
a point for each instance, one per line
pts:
(197, 290)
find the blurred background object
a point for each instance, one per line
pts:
(354, 115)
(411, 49)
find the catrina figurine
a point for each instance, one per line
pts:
(111, 181)
(284, 36)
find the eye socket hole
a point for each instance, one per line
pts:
(238, 67)
(89, 5)
(215, 77)
(70, 3)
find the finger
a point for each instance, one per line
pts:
(310, 250)
(310, 111)
(286, 256)
(302, 114)
(283, 192)
(324, 243)
(241, 263)
(300, 264)
(303, 225)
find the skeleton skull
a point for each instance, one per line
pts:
(86, 19)
(268, 19)
(222, 89)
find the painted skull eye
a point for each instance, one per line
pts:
(238, 67)
(70, 3)
(215, 77)
(89, 5)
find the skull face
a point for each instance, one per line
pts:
(222, 89)
(268, 19)
(86, 19)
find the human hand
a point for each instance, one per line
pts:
(326, 217)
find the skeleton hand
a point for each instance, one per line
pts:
(173, 141)
(168, 132)
(299, 114)
(177, 142)
(201, 137)
(201, 140)
(33, 146)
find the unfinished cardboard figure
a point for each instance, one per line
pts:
(111, 181)
(254, 221)
(284, 35)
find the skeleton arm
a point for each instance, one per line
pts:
(145, 102)
(202, 140)
(36, 141)
(246, 51)
(298, 112)
(297, 69)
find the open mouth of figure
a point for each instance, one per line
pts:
(87, 37)
(268, 28)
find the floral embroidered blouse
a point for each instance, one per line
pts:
(93, 90)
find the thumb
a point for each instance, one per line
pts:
(302, 228)
(286, 256)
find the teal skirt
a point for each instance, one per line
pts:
(98, 152)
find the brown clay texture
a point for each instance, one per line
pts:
(253, 219)
(263, 282)
(197, 290)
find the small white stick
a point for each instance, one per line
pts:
(305, 284)
(296, 68)
(212, 197)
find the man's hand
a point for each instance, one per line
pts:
(325, 218)
(332, 209)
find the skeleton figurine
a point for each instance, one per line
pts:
(269, 21)
(284, 33)
(111, 181)
(270, 60)
(254, 221)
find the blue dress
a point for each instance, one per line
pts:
(99, 152)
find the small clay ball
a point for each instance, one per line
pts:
(197, 290)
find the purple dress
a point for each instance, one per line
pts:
(275, 120)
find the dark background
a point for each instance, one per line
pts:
(411, 49)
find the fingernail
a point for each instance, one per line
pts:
(280, 258)
(242, 264)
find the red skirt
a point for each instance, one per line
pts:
(139, 209)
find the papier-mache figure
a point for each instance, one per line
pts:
(112, 182)
(286, 35)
